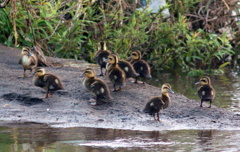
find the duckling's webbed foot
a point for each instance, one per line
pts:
(92, 102)
(158, 117)
(139, 82)
(201, 103)
(136, 80)
(101, 74)
(116, 90)
(154, 116)
(210, 104)
(24, 74)
(45, 96)
(48, 94)
(119, 89)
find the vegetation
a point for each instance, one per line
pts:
(184, 42)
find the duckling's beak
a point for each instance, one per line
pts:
(169, 90)
(31, 75)
(129, 58)
(197, 83)
(82, 75)
(105, 60)
(30, 54)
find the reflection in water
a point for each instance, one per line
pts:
(204, 139)
(41, 138)
(28, 137)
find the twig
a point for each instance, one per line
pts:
(30, 23)
(55, 28)
(226, 4)
(13, 6)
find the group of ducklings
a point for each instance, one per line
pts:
(117, 70)
(30, 60)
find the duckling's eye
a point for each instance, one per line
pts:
(109, 58)
(165, 88)
(38, 71)
(134, 54)
(87, 71)
(203, 80)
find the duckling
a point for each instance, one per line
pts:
(115, 73)
(126, 67)
(96, 86)
(28, 60)
(42, 61)
(157, 104)
(140, 66)
(205, 92)
(101, 57)
(47, 81)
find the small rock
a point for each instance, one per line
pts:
(100, 120)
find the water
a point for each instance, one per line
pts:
(41, 138)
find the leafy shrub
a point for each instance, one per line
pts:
(167, 44)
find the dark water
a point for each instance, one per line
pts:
(41, 138)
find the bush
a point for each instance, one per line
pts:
(75, 29)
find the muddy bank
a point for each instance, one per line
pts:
(20, 101)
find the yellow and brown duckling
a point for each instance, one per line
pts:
(157, 104)
(115, 73)
(205, 91)
(96, 86)
(100, 57)
(47, 81)
(127, 67)
(140, 66)
(28, 60)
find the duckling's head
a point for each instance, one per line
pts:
(26, 51)
(89, 72)
(166, 88)
(204, 81)
(116, 54)
(39, 72)
(113, 59)
(136, 55)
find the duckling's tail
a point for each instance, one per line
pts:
(145, 110)
(134, 75)
(106, 99)
(148, 76)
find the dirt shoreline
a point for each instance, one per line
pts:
(20, 101)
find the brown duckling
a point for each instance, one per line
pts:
(42, 61)
(115, 73)
(100, 57)
(96, 86)
(28, 60)
(157, 104)
(140, 66)
(206, 92)
(127, 67)
(47, 81)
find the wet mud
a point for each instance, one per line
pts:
(21, 101)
